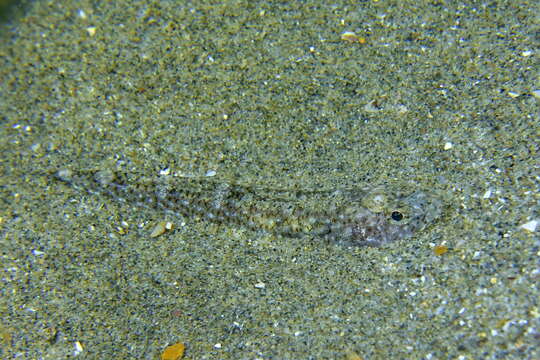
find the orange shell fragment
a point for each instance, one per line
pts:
(173, 352)
(440, 250)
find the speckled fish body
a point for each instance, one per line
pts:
(352, 217)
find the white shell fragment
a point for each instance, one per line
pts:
(530, 226)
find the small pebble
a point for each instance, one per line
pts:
(351, 355)
(166, 171)
(159, 229)
(260, 285)
(91, 30)
(78, 348)
(37, 252)
(513, 94)
(351, 37)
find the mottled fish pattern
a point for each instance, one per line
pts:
(360, 217)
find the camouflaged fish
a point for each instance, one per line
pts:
(361, 217)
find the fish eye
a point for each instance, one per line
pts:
(397, 216)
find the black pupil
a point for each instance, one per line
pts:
(396, 215)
